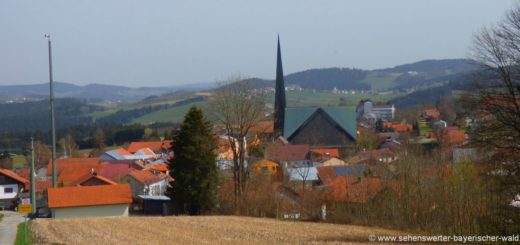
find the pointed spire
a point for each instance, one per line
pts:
(279, 99)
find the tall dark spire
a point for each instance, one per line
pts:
(279, 99)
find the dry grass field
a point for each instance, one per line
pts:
(196, 230)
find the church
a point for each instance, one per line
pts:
(333, 127)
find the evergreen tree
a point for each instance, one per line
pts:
(193, 168)
(379, 125)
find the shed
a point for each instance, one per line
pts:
(155, 204)
(90, 201)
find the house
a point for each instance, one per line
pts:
(398, 127)
(367, 111)
(69, 170)
(453, 136)
(333, 161)
(11, 185)
(224, 152)
(288, 154)
(90, 201)
(144, 182)
(333, 127)
(384, 112)
(117, 170)
(93, 179)
(263, 130)
(122, 154)
(269, 168)
(353, 189)
(384, 155)
(430, 114)
(158, 147)
(147, 153)
(323, 154)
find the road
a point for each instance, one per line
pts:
(8, 227)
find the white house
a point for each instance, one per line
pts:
(10, 186)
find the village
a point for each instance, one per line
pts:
(339, 154)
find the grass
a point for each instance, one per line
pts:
(19, 161)
(20, 234)
(197, 230)
(309, 98)
(1, 217)
(174, 114)
(381, 81)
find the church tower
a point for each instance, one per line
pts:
(279, 98)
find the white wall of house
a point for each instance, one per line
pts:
(5, 191)
(157, 189)
(154, 189)
(92, 211)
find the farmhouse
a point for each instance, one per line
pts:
(10, 186)
(90, 201)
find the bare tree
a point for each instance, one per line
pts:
(498, 100)
(238, 109)
(42, 154)
(69, 146)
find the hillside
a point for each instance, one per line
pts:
(93, 92)
(415, 75)
(197, 230)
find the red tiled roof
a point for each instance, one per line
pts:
(167, 144)
(328, 152)
(123, 152)
(15, 177)
(454, 137)
(72, 169)
(398, 127)
(146, 151)
(145, 177)
(79, 196)
(280, 152)
(90, 176)
(155, 146)
(160, 167)
(23, 172)
(326, 174)
(353, 189)
(115, 171)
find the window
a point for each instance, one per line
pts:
(8, 190)
(264, 169)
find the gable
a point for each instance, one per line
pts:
(343, 117)
(320, 129)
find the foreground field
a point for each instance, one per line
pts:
(196, 230)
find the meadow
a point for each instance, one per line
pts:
(197, 230)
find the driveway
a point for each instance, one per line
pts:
(8, 227)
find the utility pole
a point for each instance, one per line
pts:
(53, 128)
(33, 181)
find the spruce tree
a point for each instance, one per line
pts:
(193, 167)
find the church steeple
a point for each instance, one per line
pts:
(279, 99)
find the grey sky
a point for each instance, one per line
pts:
(151, 43)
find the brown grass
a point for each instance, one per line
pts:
(196, 230)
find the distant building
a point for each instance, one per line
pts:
(367, 110)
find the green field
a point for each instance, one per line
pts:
(381, 81)
(174, 114)
(310, 98)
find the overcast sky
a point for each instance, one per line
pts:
(137, 43)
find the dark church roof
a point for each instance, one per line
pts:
(343, 116)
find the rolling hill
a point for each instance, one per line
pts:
(93, 92)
